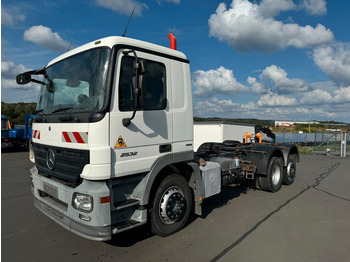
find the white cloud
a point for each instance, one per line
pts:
(283, 84)
(44, 36)
(317, 96)
(249, 106)
(10, 90)
(252, 27)
(216, 81)
(271, 8)
(169, 1)
(216, 107)
(334, 60)
(10, 19)
(342, 95)
(255, 86)
(124, 7)
(280, 107)
(9, 69)
(314, 7)
(276, 100)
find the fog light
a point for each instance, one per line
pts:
(85, 217)
(82, 202)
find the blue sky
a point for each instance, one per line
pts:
(264, 59)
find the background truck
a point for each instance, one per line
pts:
(17, 136)
(113, 142)
(21, 136)
(5, 127)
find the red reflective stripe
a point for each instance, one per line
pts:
(66, 137)
(39, 135)
(35, 133)
(78, 137)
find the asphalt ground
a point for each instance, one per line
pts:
(307, 221)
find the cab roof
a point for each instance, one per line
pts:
(111, 41)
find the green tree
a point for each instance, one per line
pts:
(16, 112)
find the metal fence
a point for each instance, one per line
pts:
(335, 143)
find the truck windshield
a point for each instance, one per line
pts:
(77, 83)
(4, 125)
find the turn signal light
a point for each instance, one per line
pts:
(105, 200)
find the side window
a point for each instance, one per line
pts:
(153, 86)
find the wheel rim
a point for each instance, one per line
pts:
(172, 205)
(276, 174)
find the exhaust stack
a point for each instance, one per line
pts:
(172, 39)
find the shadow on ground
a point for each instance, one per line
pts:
(133, 236)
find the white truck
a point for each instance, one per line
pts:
(113, 142)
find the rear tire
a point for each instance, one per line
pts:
(171, 205)
(273, 180)
(290, 171)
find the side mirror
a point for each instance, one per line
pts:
(139, 69)
(142, 69)
(23, 79)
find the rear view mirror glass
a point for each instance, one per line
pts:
(23, 79)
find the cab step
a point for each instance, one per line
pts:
(128, 225)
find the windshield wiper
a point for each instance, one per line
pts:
(61, 109)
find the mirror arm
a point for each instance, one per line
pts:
(37, 81)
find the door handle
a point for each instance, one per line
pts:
(165, 148)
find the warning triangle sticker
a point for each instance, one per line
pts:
(120, 143)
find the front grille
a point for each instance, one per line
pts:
(69, 163)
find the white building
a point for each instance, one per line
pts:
(291, 123)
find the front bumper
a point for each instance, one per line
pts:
(55, 201)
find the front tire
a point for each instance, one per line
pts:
(273, 180)
(171, 205)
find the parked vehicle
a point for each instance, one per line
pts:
(5, 127)
(113, 142)
(21, 136)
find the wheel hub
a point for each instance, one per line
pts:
(276, 175)
(172, 205)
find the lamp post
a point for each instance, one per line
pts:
(309, 120)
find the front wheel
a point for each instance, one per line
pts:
(171, 205)
(273, 180)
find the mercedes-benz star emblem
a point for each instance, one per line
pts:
(50, 159)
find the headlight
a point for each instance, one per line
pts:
(82, 202)
(31, 151)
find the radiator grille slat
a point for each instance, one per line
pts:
(69, 163)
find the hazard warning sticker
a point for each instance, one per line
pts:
(120, 143)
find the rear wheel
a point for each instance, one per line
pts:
(171, 205)
(273, 180)
(290, 171)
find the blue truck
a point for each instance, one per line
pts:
(5, 127)
(17, 137)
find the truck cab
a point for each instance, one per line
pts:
(5, 128)
(111, 115)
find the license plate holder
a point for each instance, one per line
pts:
(51, 190)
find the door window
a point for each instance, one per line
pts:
(153, 95)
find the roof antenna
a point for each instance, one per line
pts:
(126, 28)
(70, 45)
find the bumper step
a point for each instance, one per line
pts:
(127, 225)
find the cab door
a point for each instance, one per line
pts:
(149, 136)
